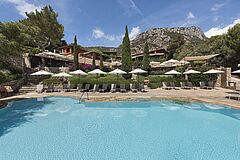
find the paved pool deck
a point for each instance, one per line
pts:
(214, 96)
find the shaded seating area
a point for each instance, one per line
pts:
(208, 85)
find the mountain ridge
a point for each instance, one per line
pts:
(160, 37)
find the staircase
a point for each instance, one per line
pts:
(27, 89)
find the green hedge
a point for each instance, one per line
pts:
(92, 79)
(196, 78)
(51, 80)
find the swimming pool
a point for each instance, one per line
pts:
(61, 128)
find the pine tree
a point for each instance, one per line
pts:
(126, 54)
(75, 51)
(146, 58)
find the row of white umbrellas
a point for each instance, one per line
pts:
(119, 71)
(211, 71)
(80, 72)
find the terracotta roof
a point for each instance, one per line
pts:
(199, 58)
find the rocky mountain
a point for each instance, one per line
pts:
(160, 37)
(103, 48)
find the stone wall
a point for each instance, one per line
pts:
(223, 79)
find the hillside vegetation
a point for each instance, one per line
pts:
(39, 31)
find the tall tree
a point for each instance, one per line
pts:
(126, 54)
(233, 42)
(101, 62)
(94, 61)
(51, 31)
(75, 51)
(146, 58)
(175, 43)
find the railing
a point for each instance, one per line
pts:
(81, 98)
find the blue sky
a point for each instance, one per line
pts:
(102, 22)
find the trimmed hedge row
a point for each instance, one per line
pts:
(155, 81)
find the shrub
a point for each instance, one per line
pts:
(51, 81)
(153, 85)
(3, 77)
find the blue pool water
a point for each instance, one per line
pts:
(60, 128)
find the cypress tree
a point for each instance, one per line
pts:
(126, 55)
(75, 51)
(101, 62)
(94, 62)
(146, 58)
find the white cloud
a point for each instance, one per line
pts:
(23, 6)
(134, 32)
(190, 20)
(190, 15)
(219, 31)
(129, 7)
(216, 7)
(98, 33)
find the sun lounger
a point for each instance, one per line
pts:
(210, 85)
(50, 88)
(73, 88)
(123, 88)
(95, 88)
(104, 88)
(203, 85)
(184, 86)
(113, 88)
(172, 85)
(133, 88)
(66, 87)
(79, 87)
(86, 89)
(142, 88)
(166, 86)
(189, 84)
(235, 97)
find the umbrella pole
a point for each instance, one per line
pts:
(117, 79)
(138, 79)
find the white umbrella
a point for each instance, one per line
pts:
(78, 72)
(62, 74)
(137, 71)
(41, 73)
(97, 71)
(191, 72)
(236, 72)
(117, 72)
(213, 71)
(173, 72)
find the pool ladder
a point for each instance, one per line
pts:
(82, 98)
